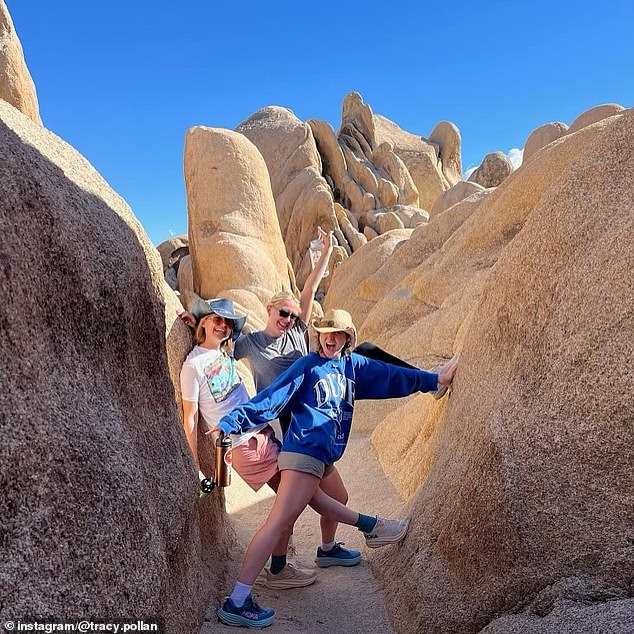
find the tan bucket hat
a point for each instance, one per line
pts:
(334, 320)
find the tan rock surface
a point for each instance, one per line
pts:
(185, 275)
(234, 237)
(542, 136)
(107, 482)
(597, 113)
(388, 221)
(302, 196)
(447, 136)
(385, 158)
(347, 277)
(418, 155)
(16, 84)
(458, 192)
(530, 487)
(495, 167)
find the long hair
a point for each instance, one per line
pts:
(199, 335)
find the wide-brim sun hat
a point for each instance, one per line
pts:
(223, 308)
(334, 320)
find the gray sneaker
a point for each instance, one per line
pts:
(387, 532)
(289, 577)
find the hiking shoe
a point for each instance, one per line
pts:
(337, 556)
(289, 577)
(386, 532)
(249, 615)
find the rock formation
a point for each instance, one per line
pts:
(460, 191)
(16, 85)
(95, 471)
(234, 237)
(172, 252)
(517, 512)
(495, 167)
(542, 136)
(302, 197)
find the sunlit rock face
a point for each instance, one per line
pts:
(522, 494)
(234, 237)
(16, 85)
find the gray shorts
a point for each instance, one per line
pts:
(302, 462)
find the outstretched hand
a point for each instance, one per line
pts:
(188, 318)
(447, 373)
(327, 239)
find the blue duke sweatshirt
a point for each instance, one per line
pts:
(319, 394)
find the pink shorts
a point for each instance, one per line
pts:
(255, 461)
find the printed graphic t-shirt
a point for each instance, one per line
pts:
(210, 378)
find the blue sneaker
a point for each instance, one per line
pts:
(337, 556)
(249, 615)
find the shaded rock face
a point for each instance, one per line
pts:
(98, 487)
(495, 167)
(16, 85)
(234, 236)
(525, 515)
(172, 252)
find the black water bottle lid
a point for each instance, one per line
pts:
(207, 485)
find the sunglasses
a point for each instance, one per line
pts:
(285, 313)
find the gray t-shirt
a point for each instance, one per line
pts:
(269, 356)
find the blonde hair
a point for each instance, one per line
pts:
(199, 334)
(281, 297)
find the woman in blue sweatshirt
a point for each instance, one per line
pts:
(318, 391)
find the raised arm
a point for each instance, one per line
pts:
(312, 281)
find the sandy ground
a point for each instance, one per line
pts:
(342, 599)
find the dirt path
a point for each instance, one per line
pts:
(342, 599)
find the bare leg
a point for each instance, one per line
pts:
(333, 485)
(293, 494)
(281, 548)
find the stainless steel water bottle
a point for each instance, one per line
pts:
(223, 461)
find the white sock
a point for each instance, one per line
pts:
(328, 546)
(240, 592)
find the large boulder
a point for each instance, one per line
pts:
(372, 164)
(98, 485)
(495, 167)
(16, 84)
(542, 136)
(351, 273)
(594, 114)
(526, 508)
(234, 236)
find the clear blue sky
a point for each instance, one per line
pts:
(122, 81)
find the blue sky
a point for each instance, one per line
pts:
(122, 81)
